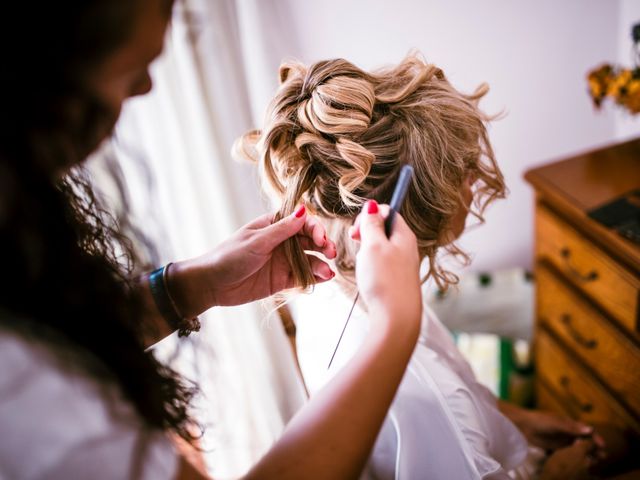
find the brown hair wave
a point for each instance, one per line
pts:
(335, 136)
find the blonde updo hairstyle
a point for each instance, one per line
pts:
(336, 136)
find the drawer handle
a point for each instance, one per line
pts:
(583, 407)
(590, 343)
(589, 277)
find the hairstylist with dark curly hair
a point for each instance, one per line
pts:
(79, 397)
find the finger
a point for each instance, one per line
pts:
(314, 237)
(314, 229)
(572, 427)
(599, 440)
(401, 233)
(371, 223)
(328, 250)
(590, 450)
(259, 222)
(354, 230)
(285, 228)
(585, 445)
(321, 270)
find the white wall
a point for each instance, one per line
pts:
(534, 55)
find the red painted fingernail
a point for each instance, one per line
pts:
(372, 206)
(300, 211)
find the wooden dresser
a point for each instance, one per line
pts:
(587, 337)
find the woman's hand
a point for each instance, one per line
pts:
(574, 462)
(551, 431)
(331, 436)
(249, 265)
(548, 430)
(387, 269)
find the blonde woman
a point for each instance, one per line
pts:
(335, 136)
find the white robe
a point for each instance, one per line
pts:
(442, 424)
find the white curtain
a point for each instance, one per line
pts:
(212, 83)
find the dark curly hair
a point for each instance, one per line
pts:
(65, 266)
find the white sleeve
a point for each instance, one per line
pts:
(61, 425)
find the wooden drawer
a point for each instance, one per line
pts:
(589, 268)
(546, 400)
(598, 343)
(575, 388)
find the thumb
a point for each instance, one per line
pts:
(578, 429)
(371, 224)
(584, 445)
(285, 228)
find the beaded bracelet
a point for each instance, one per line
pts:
(167, 306)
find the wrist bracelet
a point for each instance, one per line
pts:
(167, 307)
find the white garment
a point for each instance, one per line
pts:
(442, 424)
(58, 424)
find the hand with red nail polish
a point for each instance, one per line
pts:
(387, 269)
(251, 264)
(300, 211)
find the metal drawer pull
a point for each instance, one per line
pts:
(576, 335)
(583, 407)
(589, 277)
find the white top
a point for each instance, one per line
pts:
(442, 424)
(57, 424)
